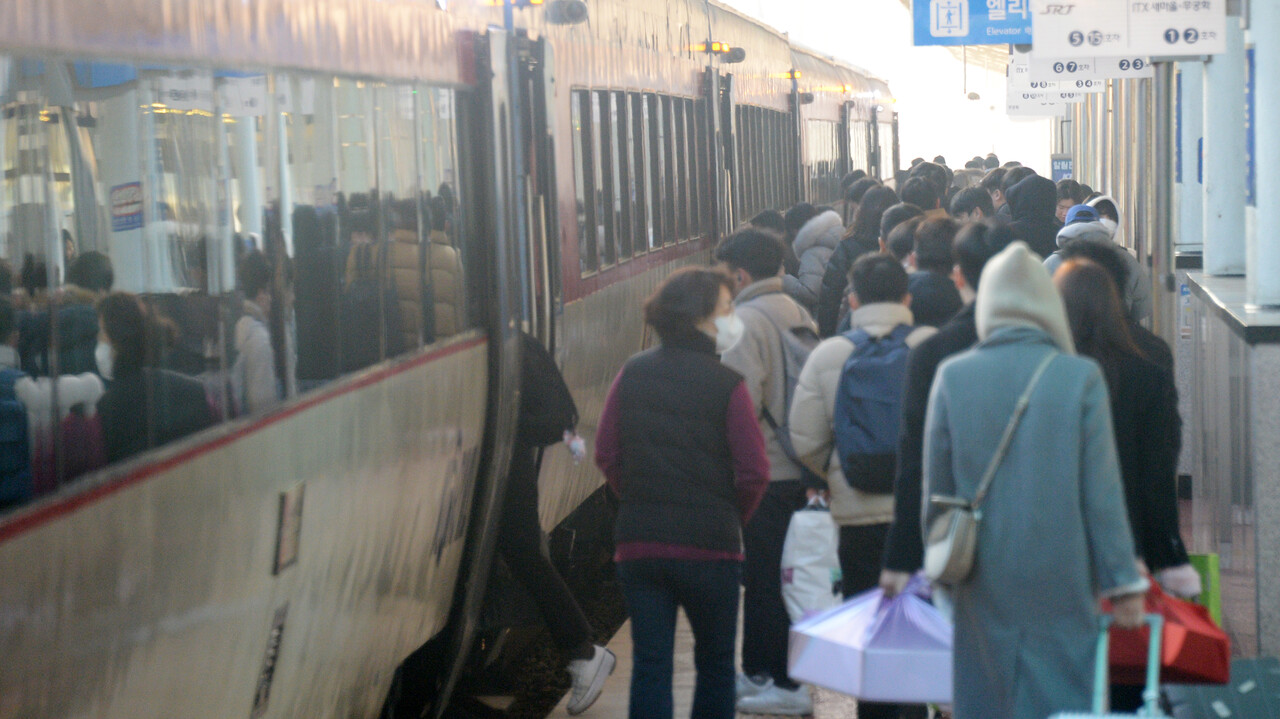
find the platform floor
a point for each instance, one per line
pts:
(613, 702)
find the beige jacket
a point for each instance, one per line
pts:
(813, 410)
(758, 357)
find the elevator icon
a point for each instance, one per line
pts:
(949, 18)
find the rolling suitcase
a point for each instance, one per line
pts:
(1101, 680)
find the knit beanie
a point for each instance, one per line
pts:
(1016, 291)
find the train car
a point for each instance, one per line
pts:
(421, 182)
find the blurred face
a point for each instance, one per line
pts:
(1063, 207)
(724, 308)
(740, 279)
(974, 216)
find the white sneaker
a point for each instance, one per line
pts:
(749, 686)
(588, 679)
(778, 701)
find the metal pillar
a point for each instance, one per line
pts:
(1161, 236)
(1263, 283)
(1224, 147)
(1191, 132)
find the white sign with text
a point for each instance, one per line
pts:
(1128, 28)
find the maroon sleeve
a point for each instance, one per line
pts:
(746, 445)
(608, 452)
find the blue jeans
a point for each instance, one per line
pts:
(708, 591)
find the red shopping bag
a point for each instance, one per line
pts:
(1193, 649)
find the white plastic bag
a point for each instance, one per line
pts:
(810, 563)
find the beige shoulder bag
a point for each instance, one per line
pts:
(953, 534)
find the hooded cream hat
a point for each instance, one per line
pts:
(1016, 291)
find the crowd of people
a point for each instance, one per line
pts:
(918, 314)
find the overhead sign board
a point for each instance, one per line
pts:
(1120, 28)
(1021, 79)
(972, 22)
(1046, 69)
(1024, 99)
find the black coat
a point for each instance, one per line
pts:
(934, 298)
(1148, 429)
(836, 280)
(150, 408)
(904, 548)
(1033, 202)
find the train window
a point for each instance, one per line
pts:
(307, 109)
(624, 178)
(452, 265)
(607, 193)
(705, 164)
(696, 179)
(584, 181)
(639, 143)
(232, 237)
(407, 320)
(369, 314)
(682, 169)
(660, 154)
(670, 202)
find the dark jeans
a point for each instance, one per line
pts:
(765, 622)
(520, 543)
(861, 550)
(708, 591)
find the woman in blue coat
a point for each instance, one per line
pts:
(1054, 536)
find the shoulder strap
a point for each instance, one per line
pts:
(1019, 409)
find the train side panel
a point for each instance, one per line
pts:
(155, 592)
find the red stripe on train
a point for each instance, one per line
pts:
(45, 514)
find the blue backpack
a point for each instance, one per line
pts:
(869, 408)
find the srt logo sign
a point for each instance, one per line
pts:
(1058, 9)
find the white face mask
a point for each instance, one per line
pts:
(102, 354)
(729, 330)
(1110, 224)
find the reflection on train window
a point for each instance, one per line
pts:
(194, 245)
(659, 154)
(682, 168)
(703, 182)
(584, 179)
(859, 141)
(674, 187)
(604, 177)
(624, 200)
(638, 128)
(822, 158)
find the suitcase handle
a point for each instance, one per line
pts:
(1151, 692)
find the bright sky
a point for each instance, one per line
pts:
(936, 117)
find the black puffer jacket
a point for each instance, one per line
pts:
(836, 280)
(1033, 203)
(677, 482)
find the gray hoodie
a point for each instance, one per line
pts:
(1136, 294)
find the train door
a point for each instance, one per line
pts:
(497, 157)
(536, 188)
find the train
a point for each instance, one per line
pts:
(428, 180)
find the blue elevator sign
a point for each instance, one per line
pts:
(972, 22)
